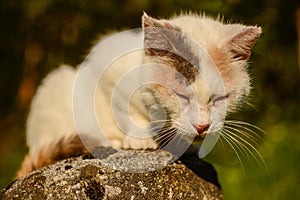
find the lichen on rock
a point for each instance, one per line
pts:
(85, 177)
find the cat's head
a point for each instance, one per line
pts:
(207, 76)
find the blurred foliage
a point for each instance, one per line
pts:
(36, 36)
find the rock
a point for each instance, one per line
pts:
(113, 175)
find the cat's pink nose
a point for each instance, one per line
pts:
(202, 128)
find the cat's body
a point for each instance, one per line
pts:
(195, 104)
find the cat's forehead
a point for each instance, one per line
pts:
(201, 90)
(179, 52)
(205, 30)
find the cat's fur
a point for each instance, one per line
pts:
(51, 130)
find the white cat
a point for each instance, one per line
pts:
(197, 69)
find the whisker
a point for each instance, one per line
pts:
(160, 122)
(246, 134)
(159, 128)
(248, 147)
(241, 146)
(166, 132)
(251, 105)
(165, 140)
(221, 143)
(245, 124)
(247, 130)
(180, 139)
(165, 135)
(232, 145)
(237, 142)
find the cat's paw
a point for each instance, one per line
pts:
(130, 142)
(116, 143)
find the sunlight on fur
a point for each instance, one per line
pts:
(197, 67)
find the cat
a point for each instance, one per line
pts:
(193, 73)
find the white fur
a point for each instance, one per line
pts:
(51, 115)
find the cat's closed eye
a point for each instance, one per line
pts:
(216, 99)
(182, 96)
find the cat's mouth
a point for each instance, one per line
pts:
(200, 137)
(201, 132)
(198, 140)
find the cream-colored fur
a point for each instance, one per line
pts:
(51, 116)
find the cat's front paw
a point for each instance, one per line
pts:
(130, 142)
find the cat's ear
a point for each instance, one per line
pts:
(160, 36)
(149, 22)
(167, 44)
(240, 46)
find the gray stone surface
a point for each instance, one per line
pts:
(113, 176)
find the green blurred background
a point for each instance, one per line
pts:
(37, 36)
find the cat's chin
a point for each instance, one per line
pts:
(198, 139)
(195, 145)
